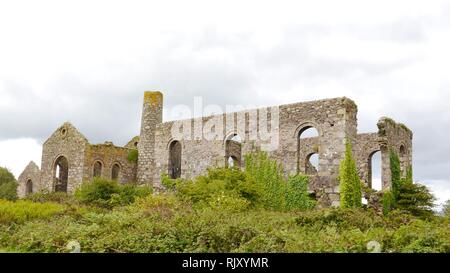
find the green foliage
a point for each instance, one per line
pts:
(415, 199)
(388, 202)
(108, 193)
(133, 156)
(164, 223)
(297, 197)
(8, 185)
(396, 180)
(446, 209)
(219, 184)
(21, 211)
(269, 176)
(350, 184)
(277, 193)
(409, 176)
(45, 196)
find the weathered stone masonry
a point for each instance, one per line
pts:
(161, 153)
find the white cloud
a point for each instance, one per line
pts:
(15, 154)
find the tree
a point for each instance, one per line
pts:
(8, 185)
(415, 199)
(350, 184)
(446, 208)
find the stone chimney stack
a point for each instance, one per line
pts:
(151, 117)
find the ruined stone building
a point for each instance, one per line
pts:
(68, 158)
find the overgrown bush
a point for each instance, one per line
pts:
(297, 197)
(133, 156)
(350, 184)
(45, 196)
(21, 211)
(109, 193)
(8, 185)
(277, 193)
(219, 184)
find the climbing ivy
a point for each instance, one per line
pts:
(396, 179)
(350, 184)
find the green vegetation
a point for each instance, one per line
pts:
(133, 156)
(406, 196)
(226, 210)
(446, 209)
(350, 184)
(261, 185)
(8, 185)
(108, 193)
(396, 180)
(21, 211)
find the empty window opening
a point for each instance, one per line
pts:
(308, 148)
(61, 174)
(115, 172)
(312, 164)
(374, 172)
(233, 151)
(29, 187)
(97, 169)
(175, 160)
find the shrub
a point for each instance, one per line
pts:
(269, 177)
(275, 192)
(8, 185)
(297, 197)
(350, 184)
(388, 202)
(21, 211)
(108, 193)
(133, 156)
(45, 196)
(415, 199)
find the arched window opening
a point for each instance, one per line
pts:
(29, 187)
(308, 147)
(61, 174)
(97, 169)
(312, 164)
(115, 172)
(375, 171)
(175, 160)
(233, 151)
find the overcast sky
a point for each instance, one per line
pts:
(88, 62)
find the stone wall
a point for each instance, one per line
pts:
(334, 119)
(109, 155)
(66, 142)
(394, 137)
(204, 144)
(32, 175)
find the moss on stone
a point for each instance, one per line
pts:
(153, 97)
